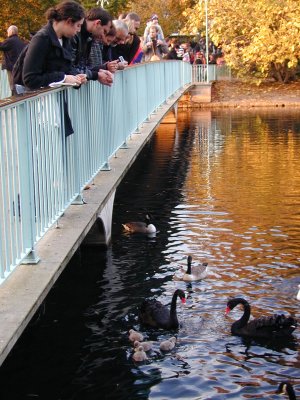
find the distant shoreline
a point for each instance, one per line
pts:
(239, 94)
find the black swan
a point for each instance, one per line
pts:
(274, 326)
(286, 388)
(140, 227)
(194, 273)
(157, 315)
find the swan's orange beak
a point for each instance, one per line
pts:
(227, 310)
(183, 300)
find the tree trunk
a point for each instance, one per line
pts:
(281, 72)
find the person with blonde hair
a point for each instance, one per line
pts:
(135, 42)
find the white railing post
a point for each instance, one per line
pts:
(43, 171)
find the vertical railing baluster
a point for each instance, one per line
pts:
(42, 170)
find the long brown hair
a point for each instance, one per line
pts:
(66, 10)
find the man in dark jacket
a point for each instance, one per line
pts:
(128, 49)
(11, 48)
(97, 24)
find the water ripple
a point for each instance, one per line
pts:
(222, 187)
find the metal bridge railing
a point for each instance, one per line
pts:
(43, 169)
(215, 73)
(199, 74)
(4, 84)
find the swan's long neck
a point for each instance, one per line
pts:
(291, 393)
(173, 311)
(245, 317)
(189, 267)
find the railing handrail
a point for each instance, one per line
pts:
(199, 75)
(213, 72)
(45, 167)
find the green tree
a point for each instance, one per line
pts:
(259, 37)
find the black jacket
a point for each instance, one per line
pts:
(81, 49)
(127, 50)
(46, 60)
(11, 47)
(107, 53)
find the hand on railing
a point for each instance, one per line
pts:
(82, 78)
(75, 79)
(112, 66)
(105, 77)
(122, 65)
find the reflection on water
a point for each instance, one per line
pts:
(223, 187)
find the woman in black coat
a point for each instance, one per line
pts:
(49, 55)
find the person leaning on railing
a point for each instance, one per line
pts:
(96, 26)
(133, 42)
(113, 49)
(49, 56)
(107, 53)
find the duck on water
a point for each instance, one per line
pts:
(145, 226)
(195, 272)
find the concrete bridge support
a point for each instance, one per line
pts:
(201, 93)
(100, 233)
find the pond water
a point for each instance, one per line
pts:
(224, 187)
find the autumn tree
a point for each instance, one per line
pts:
(169, 12)
(114, 7)
(27, 15)
(259, 37)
